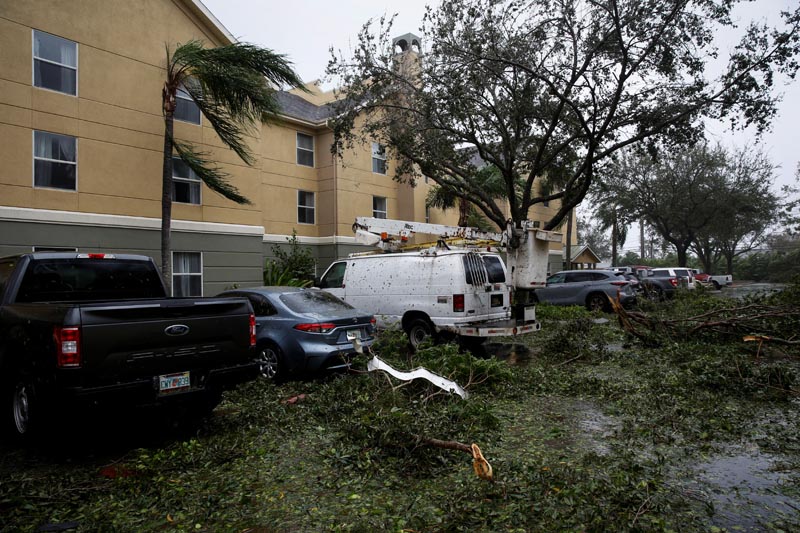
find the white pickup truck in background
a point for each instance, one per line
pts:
(717, 281)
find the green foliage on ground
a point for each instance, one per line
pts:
(586, 430)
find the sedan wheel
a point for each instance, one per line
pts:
(269, 361)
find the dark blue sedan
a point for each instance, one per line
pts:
(302, 331)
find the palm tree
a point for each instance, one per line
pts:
(232, 86)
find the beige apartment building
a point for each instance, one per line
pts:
(81, 148)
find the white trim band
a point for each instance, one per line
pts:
(336, 239)
(47, 216)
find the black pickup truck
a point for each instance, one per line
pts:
(100, 329)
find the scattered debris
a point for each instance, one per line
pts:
(443, 383)
(480, 465)
(294, 399)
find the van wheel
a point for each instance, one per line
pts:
(597, 302)
(419, 331)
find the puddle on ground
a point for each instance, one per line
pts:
(595, 427)
(745, 489)
(513, 354)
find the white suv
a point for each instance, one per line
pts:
(683, 276)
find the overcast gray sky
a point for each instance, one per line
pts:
(306, 29)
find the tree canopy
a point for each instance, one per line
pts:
(712, 201)
(547, 90)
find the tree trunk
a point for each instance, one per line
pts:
(166, 204)
(568, 248)
(729, 263)
(614, 241)
(681, 249)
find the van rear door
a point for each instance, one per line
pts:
(489, 295)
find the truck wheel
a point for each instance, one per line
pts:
(24, 411)
(270, 361)
(597, 302)
(655, 294)
(419, 331)
(716, 285)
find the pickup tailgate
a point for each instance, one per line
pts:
(129, 342)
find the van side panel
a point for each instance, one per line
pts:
(389, 286)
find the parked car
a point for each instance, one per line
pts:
(591, 288)
(662, 283)
(301, 331)
(683, 275)
(92, 328)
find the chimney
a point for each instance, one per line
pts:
(407, 50)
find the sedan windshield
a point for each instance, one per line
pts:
(313, 302)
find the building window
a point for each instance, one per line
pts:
(186, 109)
(55, 162)
(379, 207)
(305, 150)
(187, 274)
(378, 158)
(185, 183)
(305, 207)
(55, 63)
(427, 215)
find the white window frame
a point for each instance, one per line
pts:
(35, 158)
(427, 215)
(172, 264)
(187, 180)
(34, 59)
(298, 147)
(313, 208)
(377, 212)
(376, 155)
(189, 99)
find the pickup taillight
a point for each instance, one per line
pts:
(674, 281)
(68, 347)
(252, 330)
(458, 303)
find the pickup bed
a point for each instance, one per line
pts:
(99, 329)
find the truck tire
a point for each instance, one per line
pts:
(419, 331)
(271, 362)
(655, 293)
(23, 409)
(715, 283)
(597, 302)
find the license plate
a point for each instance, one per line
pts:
(353, 334)
(497, 300)
(169, 383)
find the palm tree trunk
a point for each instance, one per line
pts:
(166, 204)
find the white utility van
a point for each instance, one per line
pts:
(426, 293)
